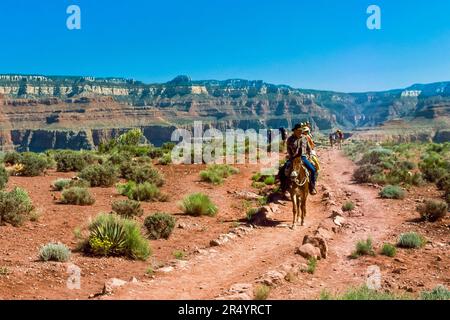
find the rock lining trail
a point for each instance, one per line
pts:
(211, 273)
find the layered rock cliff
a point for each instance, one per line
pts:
(40, 112)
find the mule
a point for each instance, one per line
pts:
(299, 190)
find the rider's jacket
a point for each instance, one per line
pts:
(298, 146)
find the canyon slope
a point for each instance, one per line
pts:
(54, 112)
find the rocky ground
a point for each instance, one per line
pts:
(225, 257)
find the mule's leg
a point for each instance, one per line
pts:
(294, 207)
(303, 207)
(297, 217)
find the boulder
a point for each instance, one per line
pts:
(272, 278)
(317, 242)
(111, 284)
(309, 251)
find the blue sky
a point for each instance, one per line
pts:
(320, 44)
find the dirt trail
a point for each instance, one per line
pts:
(246, 259)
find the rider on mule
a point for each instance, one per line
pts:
(299, 144)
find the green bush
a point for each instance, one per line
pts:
(270, 180)
(440, 292)
(33, 164)
(54, 252)
(15, 206)
(388, 250)
(363, 248)
(434, 167)
(392, 192)
(348, 206)
(155, 153)
(376, 156)
(61, 184)
(216, 173)
(141, 173)
(410, 240)
(198, 204)
(444, 183)
(364, 173)
(127, 208)
(99, 175)
(159, 225)
(141, 192)
(111, 235)
(77, 196)
(432, 210)
(165, 160)
(262, 292)
(312, 264)
(12, 158)
(68, 160)
(3, 177)
(363, 293)
(251, 213)
(119, 158)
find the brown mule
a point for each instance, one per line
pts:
(299, 190)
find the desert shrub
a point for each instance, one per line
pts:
(198, 204)
(363, 293)
(270, 180)
(118, 158)
(410, 240)
(257, 176)
(179, 255)
(131, 137)
(99, 175)
(141, 173)
(15, 206)
(312, 264)
(216, 173)
(388, 250)
(258, 185)
(440, 292)
(12, 158)
(54, 252)
(159, 225)
(376, 156)
(392, 192)
(165, 160)
(262, 292)
(407, 165)
(432, 210)
(77, 196)
(111, 235)
(168, 146)
(434, 167)
(363, 248)
(364, 173)
(444, 183)
(33, 164)
(251, 213)
(3, 177)
(127, 208)
(60, 184)
(68, 160)
(155, 153)
(141, 192)
(348, 206)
